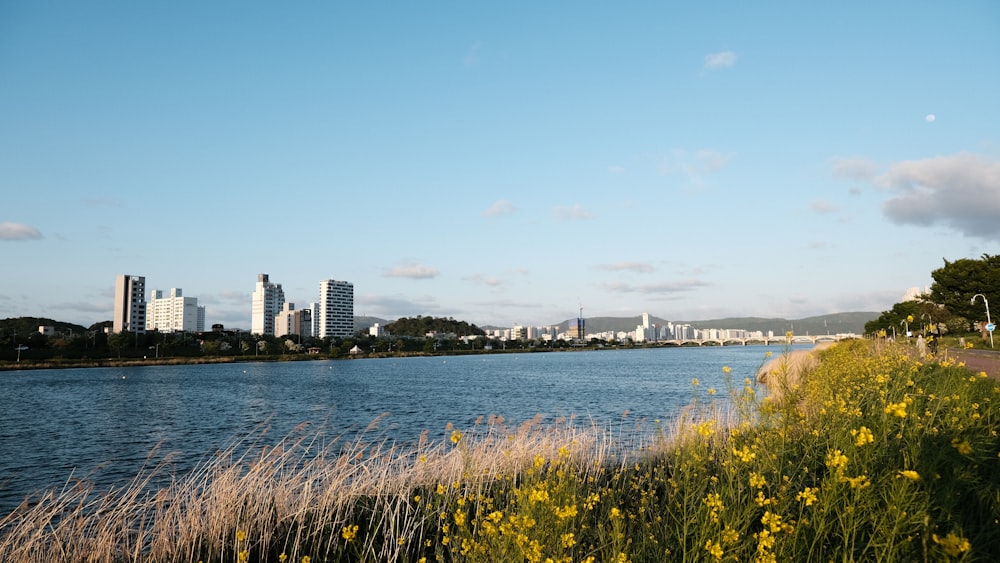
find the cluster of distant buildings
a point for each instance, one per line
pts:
(647, 331)
(331, 315)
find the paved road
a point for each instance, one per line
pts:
(979, 360)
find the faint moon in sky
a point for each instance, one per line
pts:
(930, 118)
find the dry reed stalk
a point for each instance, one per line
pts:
(298, 492)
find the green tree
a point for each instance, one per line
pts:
(912, 314)
(957, 282)
(118, 341)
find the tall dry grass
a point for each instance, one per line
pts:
(261, 502)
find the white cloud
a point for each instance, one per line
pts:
(695, 164)
(18, 231)
(853, 168)
(640, 267)
(822, 207)
(225, 296)
(499, 208)
(483, 279)
(616, 169)
(960, 192)
(722, 59)
(412, 270)
(393, 307)
(577, 211)
(678, 286)
(84, 307)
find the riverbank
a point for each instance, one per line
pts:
(876, 455)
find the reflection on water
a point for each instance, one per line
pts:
(103, 423)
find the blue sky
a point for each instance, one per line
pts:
(502, 163)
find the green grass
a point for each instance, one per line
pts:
(872, 455)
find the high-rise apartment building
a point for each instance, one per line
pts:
(130, 304)
(290, 322)
(174, 313)
(336, 309)
(268, 300)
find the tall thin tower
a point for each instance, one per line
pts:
(130, 304)
(268, 300)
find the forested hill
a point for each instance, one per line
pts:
(26, 325)
(420, 326)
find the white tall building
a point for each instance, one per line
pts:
(268, 300)
(174, 313)
(336, 309)
(130, 304)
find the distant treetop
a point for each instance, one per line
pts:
(419, 326)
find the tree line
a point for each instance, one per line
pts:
(956, 303)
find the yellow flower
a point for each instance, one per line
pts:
(283, 557)
(836, 460)
(243, 555)
(441, 489)
(859, 482)
(694, 382)
(772, 521)
(711, 390)
(952, 544)
(714, 549)
(757, 480)
(789, 335)
(864, 436)
(727, 369)
(459, 518)
(615, 513)
(808, 496)
(455, 436)
(306, 559)
(241, 535)
(564, 512)
(962, 446)
(898, 409)
(568, 540)
(746, 455)
(707, 428)
(910, 474)
(349, 532)
(730, 536)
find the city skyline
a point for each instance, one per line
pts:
(504, 165)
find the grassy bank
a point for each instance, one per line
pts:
(874, 456)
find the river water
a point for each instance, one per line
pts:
(102, 423)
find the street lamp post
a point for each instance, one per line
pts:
(989, 323)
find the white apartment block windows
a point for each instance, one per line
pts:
(336, 309)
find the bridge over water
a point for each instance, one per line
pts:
(765, 340)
